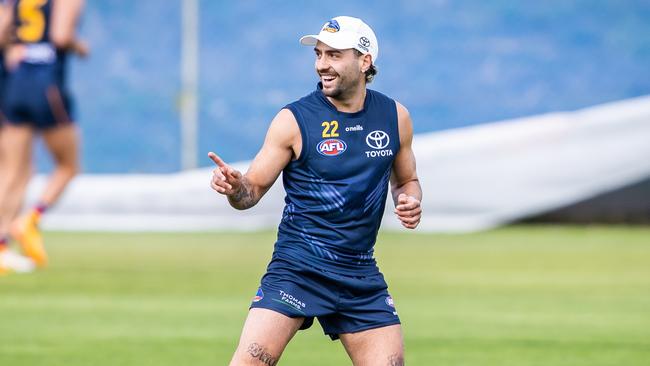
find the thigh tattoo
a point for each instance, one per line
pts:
(258, 352)
(395, 360)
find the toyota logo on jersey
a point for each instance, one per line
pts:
(377, 139)
(331, 147)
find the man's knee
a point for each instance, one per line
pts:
(69, 170)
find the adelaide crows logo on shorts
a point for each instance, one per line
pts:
(259, 295)
(331, 147)
(332, 26)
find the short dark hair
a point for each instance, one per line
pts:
(371, 72)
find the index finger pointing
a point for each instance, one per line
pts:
(217, 160)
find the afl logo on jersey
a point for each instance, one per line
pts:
(331, 147)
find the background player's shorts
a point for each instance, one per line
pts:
(34, 95)
(342, 304)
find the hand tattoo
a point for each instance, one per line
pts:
(243, 198)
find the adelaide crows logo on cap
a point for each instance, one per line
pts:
(332, 26)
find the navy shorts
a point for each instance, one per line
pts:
(34, 95)
(342, 304)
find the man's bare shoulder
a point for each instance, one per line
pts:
(402, 112)
(285, 118)
(284, 123)
(405, 124)
(284, 131)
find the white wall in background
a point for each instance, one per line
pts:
(473, 178)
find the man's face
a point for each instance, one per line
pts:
(339, 70)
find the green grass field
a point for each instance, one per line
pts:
(515, 296)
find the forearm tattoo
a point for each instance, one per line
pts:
(259, 353)
(395, 360)
(244, 197)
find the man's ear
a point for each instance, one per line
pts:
(367, 62)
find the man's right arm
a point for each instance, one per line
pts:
(282, 143)
(66, 15)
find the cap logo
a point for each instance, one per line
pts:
(332, 26)
(364, 43)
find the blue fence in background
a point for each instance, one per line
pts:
(452, 63)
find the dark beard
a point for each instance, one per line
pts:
(342, 91)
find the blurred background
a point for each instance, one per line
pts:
(485, 82)
(452, 63)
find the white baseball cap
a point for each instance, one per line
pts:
(345, 32)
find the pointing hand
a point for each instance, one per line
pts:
(225, 179)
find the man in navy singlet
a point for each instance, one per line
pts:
(339, 149)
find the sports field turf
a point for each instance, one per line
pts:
(515, 296)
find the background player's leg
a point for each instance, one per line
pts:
(379, 346)
(63, 144)
(265, 335)
(16, 146)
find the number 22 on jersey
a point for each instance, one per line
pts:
(334, 126)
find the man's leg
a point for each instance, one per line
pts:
(16, 146)
(15, 149)
(265, 335)
(375, 347)
(62, 142)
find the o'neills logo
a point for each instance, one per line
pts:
(358, 127)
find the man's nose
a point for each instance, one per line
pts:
(322, 64)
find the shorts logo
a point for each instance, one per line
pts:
(390, 302)
(377, 139)
(331, 147)
(291, 302)
(259, 295)
(332, 26)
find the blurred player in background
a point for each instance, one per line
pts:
(9, 260)
(338, 148)
(4, 38)
(36, 101)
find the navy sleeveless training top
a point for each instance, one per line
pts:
(337, 188)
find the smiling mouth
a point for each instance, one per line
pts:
(327, 78)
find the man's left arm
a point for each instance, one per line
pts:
(405, 186)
